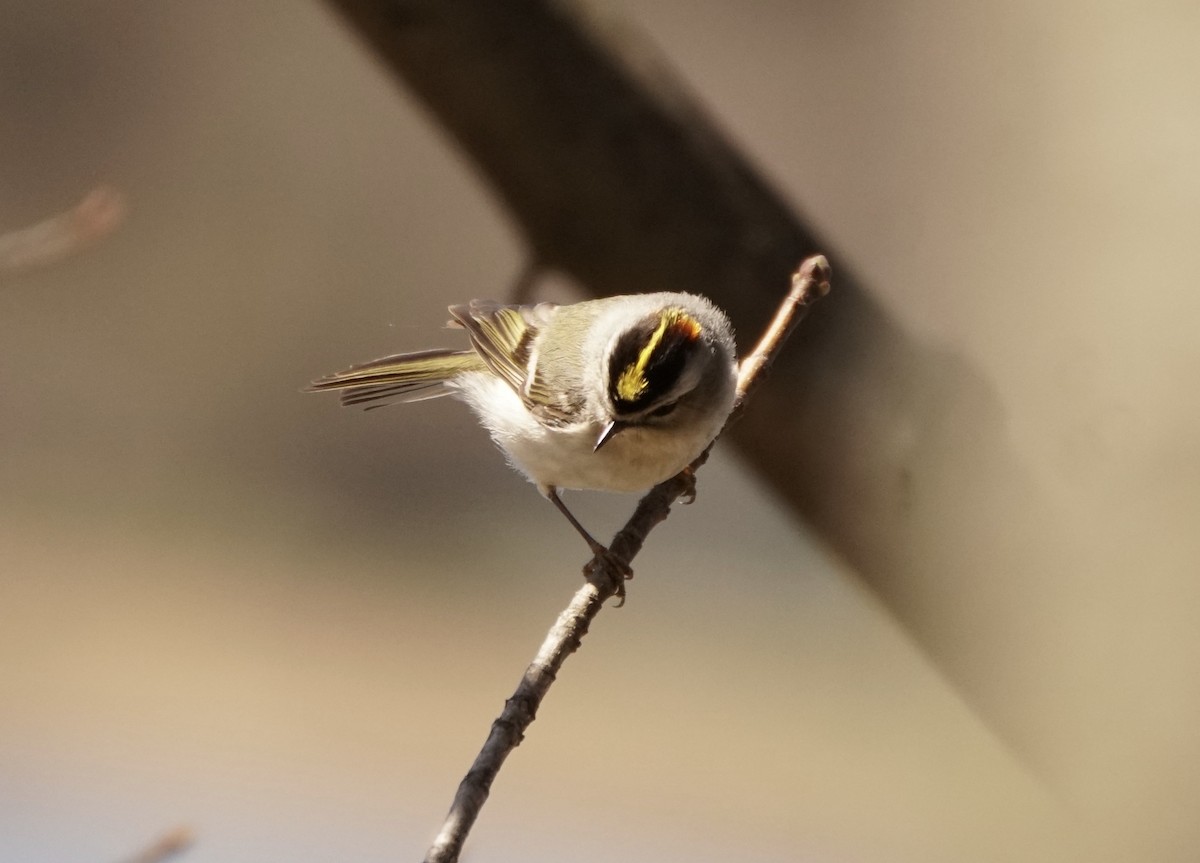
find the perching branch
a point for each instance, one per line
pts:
(810, 283)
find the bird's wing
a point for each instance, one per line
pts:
(506, 338)
(500, 335)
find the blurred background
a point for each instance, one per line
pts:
(227, 604)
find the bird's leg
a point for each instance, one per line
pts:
(597, 548)
(618, 569)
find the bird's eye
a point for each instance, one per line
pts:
(665, 410)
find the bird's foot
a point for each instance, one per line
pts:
(688, 495)
(608, 569)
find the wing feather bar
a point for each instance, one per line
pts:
(499, 335)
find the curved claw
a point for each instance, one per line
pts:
(688, 495)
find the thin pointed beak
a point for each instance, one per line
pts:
(608, 433)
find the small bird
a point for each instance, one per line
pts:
(614, 394)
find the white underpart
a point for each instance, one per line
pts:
(563, 457)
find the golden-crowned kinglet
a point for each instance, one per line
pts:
(615, 394)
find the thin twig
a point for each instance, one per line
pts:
(810, 283)
(99, 214)
(165, 847)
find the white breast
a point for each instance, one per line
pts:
(563, 457)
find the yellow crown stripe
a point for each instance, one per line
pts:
(632, 382)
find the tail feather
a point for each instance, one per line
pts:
(399, 378)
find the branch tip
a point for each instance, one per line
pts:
(816, 271)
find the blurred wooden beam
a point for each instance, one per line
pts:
(893, 451)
